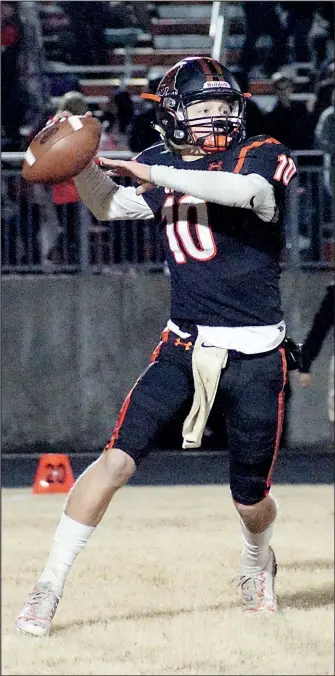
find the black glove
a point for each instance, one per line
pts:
(293, 354)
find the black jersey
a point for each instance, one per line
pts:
(224, 261)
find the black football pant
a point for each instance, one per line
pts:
(250, 396)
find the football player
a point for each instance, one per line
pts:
(218, 198)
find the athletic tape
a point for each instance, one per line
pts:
(75, 122)
(29, 157)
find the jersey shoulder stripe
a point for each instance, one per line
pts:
(254, 144)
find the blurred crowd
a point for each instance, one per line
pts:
(299, 32)
(13, 99)
(294, 32)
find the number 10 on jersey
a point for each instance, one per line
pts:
(180, 216)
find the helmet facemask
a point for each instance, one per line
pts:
(210, 134)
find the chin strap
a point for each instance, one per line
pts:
(160, 130)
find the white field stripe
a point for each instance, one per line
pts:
(75, 122)
(29, 157)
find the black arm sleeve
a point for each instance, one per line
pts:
(322, 322)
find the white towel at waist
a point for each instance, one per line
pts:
(207, 364)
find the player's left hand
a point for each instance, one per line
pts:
(131, 169)
(304, 379)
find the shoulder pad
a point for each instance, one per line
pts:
(150, 155)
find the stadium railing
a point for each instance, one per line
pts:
(309, 214)
(39, 237)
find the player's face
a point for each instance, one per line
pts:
(210, 113)
(212, 108)
(284, 90)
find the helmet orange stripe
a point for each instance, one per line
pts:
(217, 67)
(151, 97)
(206, 69)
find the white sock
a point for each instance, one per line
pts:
(70, 539)
(255, 553)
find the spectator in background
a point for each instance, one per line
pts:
(12, 107)
(263, 19)
(321, 325)
(88, 22)
(108, 115)
(321, 33)
(60, 83)
(66, 249)
(111, 137)
(143, 14)
(21, 220)
(122, 15)
(289, 121)
(131, 15)
(254, 116)
(326, 70)
(142, 133)
(324, 91)
(324, 139)
(11, 250)
(124, 109)
(299, 22)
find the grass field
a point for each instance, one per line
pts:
(153, 592)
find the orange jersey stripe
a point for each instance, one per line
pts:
(245, 150)
(126, 402)
(280, 419)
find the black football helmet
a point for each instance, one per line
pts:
(193, 80)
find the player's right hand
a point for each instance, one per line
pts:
(66, 113)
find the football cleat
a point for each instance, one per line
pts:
(258, 591)
(38, 612)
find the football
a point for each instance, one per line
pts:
(61, 149)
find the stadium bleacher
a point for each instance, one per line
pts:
(174, 32)
(177, 30)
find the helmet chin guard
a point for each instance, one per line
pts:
(217, 133)
(193, 80)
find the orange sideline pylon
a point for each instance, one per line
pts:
(54, 474)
